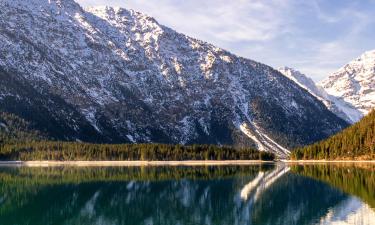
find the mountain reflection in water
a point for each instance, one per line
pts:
(257, 194)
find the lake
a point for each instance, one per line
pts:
(227, 195)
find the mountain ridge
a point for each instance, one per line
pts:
(122, 77)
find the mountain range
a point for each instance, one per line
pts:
(112, 75)
(349, 92)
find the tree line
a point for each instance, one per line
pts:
(19, 141)
(75, 151)
(355, 142)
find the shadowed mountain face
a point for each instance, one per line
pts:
(113, 75)
(181, 195)
(48, 113)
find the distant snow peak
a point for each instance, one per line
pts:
(302, 80)
(355, 83)
(343, 109)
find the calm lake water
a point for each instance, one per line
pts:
(227, 195)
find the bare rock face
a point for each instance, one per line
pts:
(114, 75)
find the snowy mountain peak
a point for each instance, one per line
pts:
(368, 58)
(34, 5)
(120, 17)
(342, 109)
(355, 82)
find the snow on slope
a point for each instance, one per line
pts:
(338, 106)
(355, 83)
(134, 80)
(303, 81)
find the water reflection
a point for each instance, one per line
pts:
(263, 181)
(349, 211)
(355, 179)
(258, 194)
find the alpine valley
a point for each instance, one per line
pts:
(111, 75)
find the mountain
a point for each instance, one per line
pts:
(111, 75)
(355, 142)
(337, 105)
(303, 81)
(355, 83)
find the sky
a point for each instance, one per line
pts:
(316, 37)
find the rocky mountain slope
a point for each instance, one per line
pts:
(337, 105)
(355, 83)
(114, 75)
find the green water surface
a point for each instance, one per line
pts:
(227, 195)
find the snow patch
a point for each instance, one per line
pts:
(90, 116)
(131, 138)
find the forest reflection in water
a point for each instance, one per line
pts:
(257, 194)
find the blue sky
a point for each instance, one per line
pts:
(316, 37)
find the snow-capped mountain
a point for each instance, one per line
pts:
(355, 83)
(337, 105)
(114, 75)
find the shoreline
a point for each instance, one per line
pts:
(171, 163)
(135, 163)
(325, 161)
